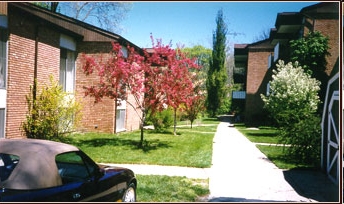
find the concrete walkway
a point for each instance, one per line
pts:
(241, 173)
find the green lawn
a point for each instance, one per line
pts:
(191, 147)
(170, 189)
(275, 153)
(277, 156)
(262, 135)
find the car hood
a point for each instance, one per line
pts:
(113, 168)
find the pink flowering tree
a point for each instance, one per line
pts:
(157, 79)
(119, 75)
(175, 78)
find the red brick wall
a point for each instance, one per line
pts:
(257, 68)
(48, 55)
(96, 117)
(3, 8)
(99, 117)
(101, 114)
(21, 63)
(20, 77)
(330, 28)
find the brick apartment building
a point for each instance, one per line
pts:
(36, 43)
(254, 64)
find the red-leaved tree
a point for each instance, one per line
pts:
(158, 79)
(175, 76)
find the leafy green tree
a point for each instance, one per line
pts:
(203, 57)
(311, 52)
(196, 103)
(52, 6)
(217, 74)
(293, 101)
(52, 113)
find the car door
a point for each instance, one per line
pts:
(84, 179)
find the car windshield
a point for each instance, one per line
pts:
(7, 163)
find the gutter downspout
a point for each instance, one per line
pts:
(34, 90)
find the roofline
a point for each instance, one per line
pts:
(311, 7)
(29, 6)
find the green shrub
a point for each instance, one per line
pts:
(162, 120)
(304, 137)
(292, 102)
(52, 113)
(225, 106)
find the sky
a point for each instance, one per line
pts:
(193, 23)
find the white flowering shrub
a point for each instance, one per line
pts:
(293, 101)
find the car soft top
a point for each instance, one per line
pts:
(36, 167)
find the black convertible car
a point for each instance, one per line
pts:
(34, 170)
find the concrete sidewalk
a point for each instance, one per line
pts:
(241, 173)
(197, 173)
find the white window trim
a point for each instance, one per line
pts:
(67, 42)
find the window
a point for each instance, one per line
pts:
(270, 58)
(3, 72)
(74, 167)
(276, 52)
(3, 48)
(67, 63)
(67, 70)
(7, 163)
(120, 115)
(120, 120)
(268, 89)
(124, 52)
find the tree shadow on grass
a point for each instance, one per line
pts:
(148, 145)
(262, 134)
(210, 119)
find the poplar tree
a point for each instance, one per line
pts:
(217, 75)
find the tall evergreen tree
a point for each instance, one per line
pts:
(217, 75)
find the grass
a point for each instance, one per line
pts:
(275, 153)
(170, 189)
(262, 135)
(277, 156)
(191, 147)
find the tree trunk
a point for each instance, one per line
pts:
(53, 6)
(142, 123)
(175, 122)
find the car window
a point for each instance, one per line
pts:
(7, 163)
(72, 167)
